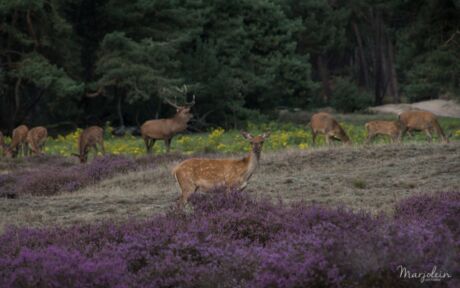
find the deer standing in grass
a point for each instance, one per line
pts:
(36, 138)
(377, 127)
(324, 123)
(165, 129)
(18, 142)
(421, 121)
(206, 174)
(91, 137)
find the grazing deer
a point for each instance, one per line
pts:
(90, 138)
(18, 142)
(205, 174)
(324, 123)
(36, 138)
(165, 129)
(420, 121)
(389, 128)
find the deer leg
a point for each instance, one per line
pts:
(187, 191)
(168, 144)
(313, 134)
(428, 134)
(25, 150)
(369, 138)
(102, 148)
(401, 133)
(95, 150)
(328, 139)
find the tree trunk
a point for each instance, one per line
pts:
(393, 77)
(119, 109)
(324, 74)
(378, 73)
(17, 99)
(362, 57)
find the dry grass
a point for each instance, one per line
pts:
(370, 178)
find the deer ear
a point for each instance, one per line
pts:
(266, 135)
(246, 135)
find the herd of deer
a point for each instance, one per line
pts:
(206, 174)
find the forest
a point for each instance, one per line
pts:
(71, 63)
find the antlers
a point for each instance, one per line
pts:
(183, 91)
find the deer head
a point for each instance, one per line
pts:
(182, 111)
(256, 142)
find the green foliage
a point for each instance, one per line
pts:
(242, 59)
(347, 97)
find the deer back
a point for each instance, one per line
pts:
(166, 128)
(89, 137)
(324, 123)
(36, 137)
(383, 127)
(417, 119)
(19, 136)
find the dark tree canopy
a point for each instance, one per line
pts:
(92, 61)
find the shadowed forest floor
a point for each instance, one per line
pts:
(371, 178)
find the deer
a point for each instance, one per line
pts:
(420, 121)
(165, 129)
(18, 142)
(324, 123)
(388, 128)
(91, 137)
(36, 138)
(206, 174)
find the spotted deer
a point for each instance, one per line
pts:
(165, 129)
(18, 142)
(388, 128)
(36, 138)
(206, 174)
(324, 123)
(421, 121)
(91, 137)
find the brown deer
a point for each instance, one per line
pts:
(91, 137)
(18, 142)
(36, 138)
(205, 174)
(165, 129)
(377, 127)
(324, 123)
(421, 121)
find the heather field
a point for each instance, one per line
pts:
(339, 216)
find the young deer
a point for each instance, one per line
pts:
(90, 138)
(421, 121)
(205, 174)
(18, 142)
(324, 123)
(36, 138)
(165, 129)
(389, 128)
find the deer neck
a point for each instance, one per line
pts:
(179, 123)
(252, 162)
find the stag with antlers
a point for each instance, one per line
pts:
(165, 129)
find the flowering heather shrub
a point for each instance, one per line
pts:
(104, 167)
(236, 241)
(56, 175)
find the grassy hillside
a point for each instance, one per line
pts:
(372, 178)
